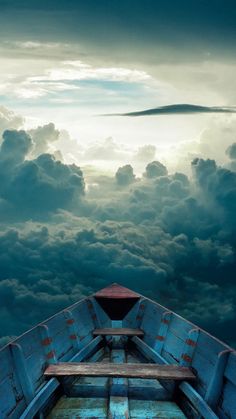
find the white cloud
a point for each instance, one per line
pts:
(77, 70)
(33, 81)
(9, 120)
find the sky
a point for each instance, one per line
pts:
(90, 195)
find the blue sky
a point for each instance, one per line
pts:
(118, 56)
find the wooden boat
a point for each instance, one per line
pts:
(117, 354)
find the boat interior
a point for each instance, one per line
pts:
(117, 354)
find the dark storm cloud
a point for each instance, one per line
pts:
(167, 236)
(179, 109)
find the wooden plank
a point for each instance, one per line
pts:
(119, 331)
(116, 291)
(134, 317)
(87, 350)
(92, 312)
(152, 409)
(47, 344)
(216, 384)
(141, 311)
(149, 389)
(118, 408)
(21, 371)
(197, 401)
(148, 352)
(164, 372)
(48, 389)
(118, 402)
(161, 336)
(79, 408)
(151, 322)
(118, 386)
(73, 336)
(230, 370)
(40, 399)
(189, 348)
(228, 405)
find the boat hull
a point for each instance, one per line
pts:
(166, 339)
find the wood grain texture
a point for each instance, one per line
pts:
(119, 331)
(116, 291)
(164, 372)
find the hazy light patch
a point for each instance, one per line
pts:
(77, 70)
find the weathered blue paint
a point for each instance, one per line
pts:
(147, 351)
(21, 371)
(50, 354)
(198, 402)
(73, 336)
(68, 336)
(93, 312)
(36, 404)
(118, 386)
(145, 389)
(118, 403)
(82, 408)
(87, 350)
(48, 389)
(149, 409)
(215, 386)
(189, 348)
(161, 336)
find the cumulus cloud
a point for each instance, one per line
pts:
(155, 169)
(9, 120)
(15, 146)
(125, 175)
(231, 151)
(60, 240)
(35, 186)
(43, 137)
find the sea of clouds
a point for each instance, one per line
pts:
(63, 235)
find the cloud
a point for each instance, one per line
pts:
(125, 175)
(107, 149)
(9, 120)
(15, 146)
(145, 153)
(61, 239)
(78, 70)
(231, 151)
(35, 186)
(179, 109)
(43, 137)
(155, 169)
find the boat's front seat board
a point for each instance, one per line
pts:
(163, 372)
(119, 331)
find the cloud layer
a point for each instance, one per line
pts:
(166, 235)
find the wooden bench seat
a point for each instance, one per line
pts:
(122, 331)
(97, 369)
